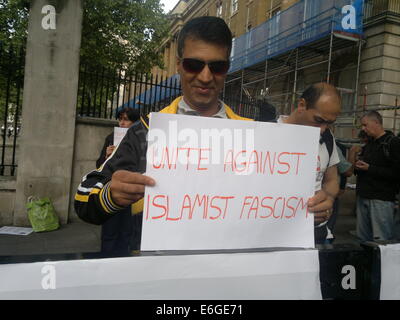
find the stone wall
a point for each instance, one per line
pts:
(89, 139)
(7, 200)
(380, 70)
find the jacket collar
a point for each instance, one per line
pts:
(173, 109)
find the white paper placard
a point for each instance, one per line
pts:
(18, 231)
(119, 134)
(390, 272)
(244, 276)
(224, 184)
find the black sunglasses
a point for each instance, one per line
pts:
(196, 66)
(321, 121)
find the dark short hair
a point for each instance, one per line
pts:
(267, 112)
(131, 113)
(208, 29)
(374, 115)
(312, 94)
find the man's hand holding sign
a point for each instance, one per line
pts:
(321, 204)
(128, 187)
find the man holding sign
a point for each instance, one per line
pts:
(204, 47)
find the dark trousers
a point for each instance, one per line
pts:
(320, 234)
(137, 231)
(333, 217)
(116, 234)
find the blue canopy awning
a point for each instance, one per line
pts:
(170, 87)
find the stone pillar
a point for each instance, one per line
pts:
(380, 70)
(380, 65)
(49, 105)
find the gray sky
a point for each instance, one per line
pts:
(169, 4)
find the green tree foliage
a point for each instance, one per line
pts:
(13, 22)
(116, 34)
(13, 32)
(123, 33)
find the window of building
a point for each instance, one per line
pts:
(275, 22)
(276, 12)
(274, 8)
(347, 83)
(235, 6)
(219, 9)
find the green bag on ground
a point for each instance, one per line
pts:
(42, 215)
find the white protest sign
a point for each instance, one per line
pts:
(240, 276)
(225, 184)
(119, 134)
(390, 272)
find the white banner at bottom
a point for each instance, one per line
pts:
(226, 276)
(390, 272)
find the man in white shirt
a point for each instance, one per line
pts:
(319, 106)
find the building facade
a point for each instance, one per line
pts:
(241, 16)
(282, 46)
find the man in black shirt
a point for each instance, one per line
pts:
(378, 176)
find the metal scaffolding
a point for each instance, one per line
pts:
(276, 69)
(309, 51)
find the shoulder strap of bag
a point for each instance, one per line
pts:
(327, 137)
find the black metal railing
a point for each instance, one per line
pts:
(12, 61)
(102, 92)
(245, 106)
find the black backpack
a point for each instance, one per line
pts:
(327, 137)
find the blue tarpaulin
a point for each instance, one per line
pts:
(300, 24)
(162, 91)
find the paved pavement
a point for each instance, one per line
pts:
(76, 237)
